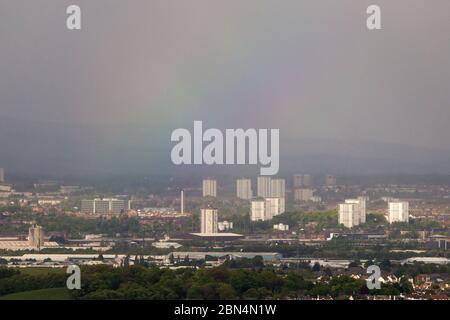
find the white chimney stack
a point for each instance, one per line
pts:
(182, 201)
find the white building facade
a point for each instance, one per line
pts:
(225, 225)
(258, 210)
(398, 211)
(263, 210)
(209, 188)
(274, 207)
(263, 186)
(244, 189)
(349, 214)
(303, 194)
(105, 206)
(281, 227)
(361, 203)
(209, 221)
(278, 188)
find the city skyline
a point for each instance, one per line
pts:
(234, 158)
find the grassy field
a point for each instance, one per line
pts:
(42, 294)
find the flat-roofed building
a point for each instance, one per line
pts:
(281, 227)
(49, 202)
(244, 189)
(225, 225)
(263, 186)
(274, 207)
(266, 209)
(209, 188)
(105, 206)
(101, 206)
(88, 206)
(303, 194)
(258, 210)
(5, 188)
(36, 237)
(349, 214)
(209, 221)
(278, 188)
(398, 211)
(361, 207)
(267, 256)
(117, 206)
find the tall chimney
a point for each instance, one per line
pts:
(182, 201)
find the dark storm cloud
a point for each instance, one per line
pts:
(106, 98)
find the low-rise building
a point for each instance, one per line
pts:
(105, 206)
(281, 227)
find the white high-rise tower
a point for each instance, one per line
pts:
(362, 208)
(263, 186)
(209, 221)
(278, 188)
(258, 210)
(244, 189)
(360, 203)
(36, 237)
(398, 211)
(266, 209)
(209, 188)
(349, 214)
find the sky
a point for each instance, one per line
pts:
(106, 98)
